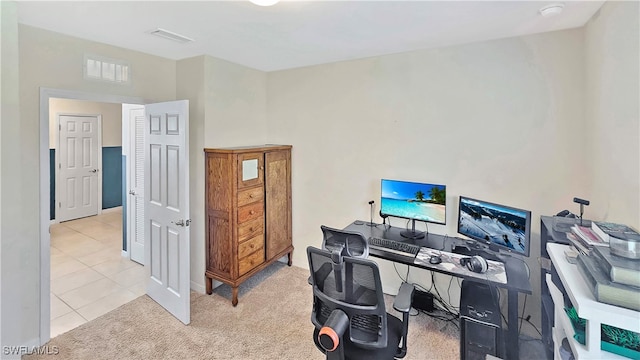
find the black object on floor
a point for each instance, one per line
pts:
(422, 301)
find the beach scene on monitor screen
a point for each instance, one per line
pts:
(418, 201)
(500, 225)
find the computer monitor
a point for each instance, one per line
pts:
(499, 226)
(414, 201)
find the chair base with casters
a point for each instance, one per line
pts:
(348, 303)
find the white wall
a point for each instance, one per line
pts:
(190, 83)
(13, 264)
(499, 121)
(111, 118)
(227, 108)
(613, 113)
(235, 104)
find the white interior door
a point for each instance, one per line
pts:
(134, 118)
(78, 181)
(166, 189)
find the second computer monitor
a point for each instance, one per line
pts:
(501, 226)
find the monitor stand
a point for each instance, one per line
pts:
(499, 253)
(412, 234)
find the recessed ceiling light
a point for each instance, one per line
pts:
(551, 10)
(264, 2)
(166, 34)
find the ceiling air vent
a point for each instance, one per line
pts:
(166, 34)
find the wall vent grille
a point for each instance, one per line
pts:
(105, 69)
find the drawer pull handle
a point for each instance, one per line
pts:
(250, 229)
(251, 196)
(251, 212)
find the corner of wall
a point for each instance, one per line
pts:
(612, 109)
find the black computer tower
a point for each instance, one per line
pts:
(480, 321)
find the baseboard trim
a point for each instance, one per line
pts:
(197, 287)
(102, 211)
(113, 209)
(125, 254)
(33, 342)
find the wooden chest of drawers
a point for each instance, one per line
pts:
(248, 210)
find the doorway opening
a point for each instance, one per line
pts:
(166, 195)
(81, 232)
(91, 273)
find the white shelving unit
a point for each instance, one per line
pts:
(596, 313)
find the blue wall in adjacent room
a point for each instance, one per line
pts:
(52, 186)
(112, 178)
(124, 204)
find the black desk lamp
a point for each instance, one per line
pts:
(371, 223)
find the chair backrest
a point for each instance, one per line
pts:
(351, 284)
(349, 243)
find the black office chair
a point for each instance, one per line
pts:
(348, 303)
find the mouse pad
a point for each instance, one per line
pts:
(451, 263)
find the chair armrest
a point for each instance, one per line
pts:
(402, 301)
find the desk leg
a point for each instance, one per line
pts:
(513, 346)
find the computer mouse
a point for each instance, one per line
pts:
(435, 259)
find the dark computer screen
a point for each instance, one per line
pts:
(501, 226)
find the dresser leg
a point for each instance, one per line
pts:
(208, 284)
(234, 296)
(289, 256)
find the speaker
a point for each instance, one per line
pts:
(480, 321)
(475, 263)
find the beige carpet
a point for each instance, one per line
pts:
(271, 321)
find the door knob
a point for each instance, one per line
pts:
(131, 192)
(93, 171)
(182, 222)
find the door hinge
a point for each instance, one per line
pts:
(59, 127)
(59, 166)
(59, 204)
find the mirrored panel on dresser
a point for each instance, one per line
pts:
(249, 169)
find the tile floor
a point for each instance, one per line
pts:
(89, 276)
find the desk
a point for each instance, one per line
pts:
(517, 279)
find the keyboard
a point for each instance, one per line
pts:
(392, 246)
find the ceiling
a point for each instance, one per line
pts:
(294, 33)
